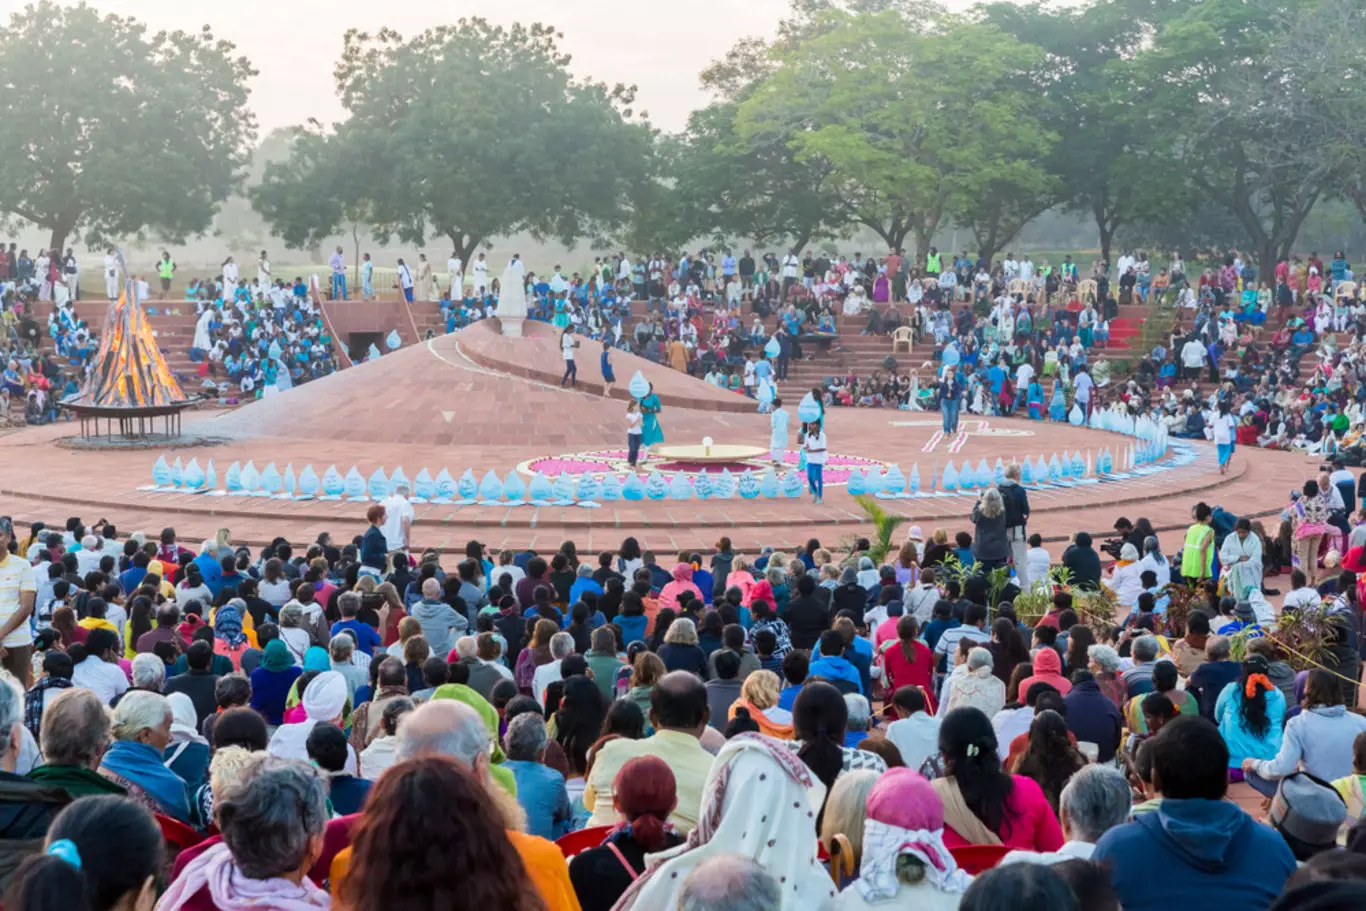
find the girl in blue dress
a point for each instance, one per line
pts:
(608, 378)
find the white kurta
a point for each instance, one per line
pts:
(1242, 576)
(229, 281)
(201, 330)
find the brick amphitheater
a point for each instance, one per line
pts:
(477, 400)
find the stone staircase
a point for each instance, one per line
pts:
(174, 322)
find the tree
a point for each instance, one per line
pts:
(311, 194)
(753, 186)
(472, 131)
(913, 115)
(112, 131)
(1262, 104)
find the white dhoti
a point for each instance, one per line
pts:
(111, 286)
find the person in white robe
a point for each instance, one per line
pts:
(229, 279)
(1241, 558)
(201, 330)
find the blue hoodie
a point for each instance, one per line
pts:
(1196, 854)
(835, 668)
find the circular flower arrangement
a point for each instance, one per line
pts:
(837, 467)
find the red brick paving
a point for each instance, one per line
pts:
(394, 412)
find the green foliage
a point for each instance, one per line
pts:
(113, 132)
(885, 525)
(914, 113)
(471, 131)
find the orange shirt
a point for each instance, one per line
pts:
(544, 863)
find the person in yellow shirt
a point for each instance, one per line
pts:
(451, 730)
(679, 713)
(96, 611)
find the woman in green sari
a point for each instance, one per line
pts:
(650, 406)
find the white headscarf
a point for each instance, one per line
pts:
(324, 701)
(184, 720)
(760, 801)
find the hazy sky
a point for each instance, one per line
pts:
(295, 43)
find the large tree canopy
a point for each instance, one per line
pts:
(471, 131)
(112, 131)
(916, 115)
(1259, 105)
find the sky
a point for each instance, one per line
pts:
(295, 43)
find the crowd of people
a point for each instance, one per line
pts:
(370, 724)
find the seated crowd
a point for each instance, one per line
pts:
(356, 724)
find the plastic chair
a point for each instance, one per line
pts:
(903, 337)
(582, 840)
(176, 834)
(841, 859)
(974, 859)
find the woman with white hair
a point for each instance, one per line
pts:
(977, 687)
(324, 701)
(136, 759)
(148, 673)
(272, 819)
(759, 802)
(1126, 580)
(990, 547)
(1103, 661)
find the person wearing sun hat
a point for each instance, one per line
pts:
(905, 861)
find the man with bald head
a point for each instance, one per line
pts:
(452, 730)
(679, 713)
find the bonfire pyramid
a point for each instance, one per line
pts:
(128, 370)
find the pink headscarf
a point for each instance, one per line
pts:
(905, 816)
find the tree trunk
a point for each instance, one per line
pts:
(923, 236)
(1107, 237)
(465, 246)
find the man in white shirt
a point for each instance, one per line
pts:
(1082, 385)
(561, 647)
(398, 519)
(1302, 596)
(111, 274)
(481, 275)
(1096, 799)
(405, 281)
(915, 733)
(1193, 356)
(1024, 375)
(99, 672)
(791, 265)
(624, 269)
(1011, 267)
(88, 557)
(263, 277)
(1027, 269)
(516, 267)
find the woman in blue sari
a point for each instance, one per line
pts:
(1034, 397)
(650, 406)
(1057, 407)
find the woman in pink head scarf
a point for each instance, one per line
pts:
(682, 582)
(905, 862)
